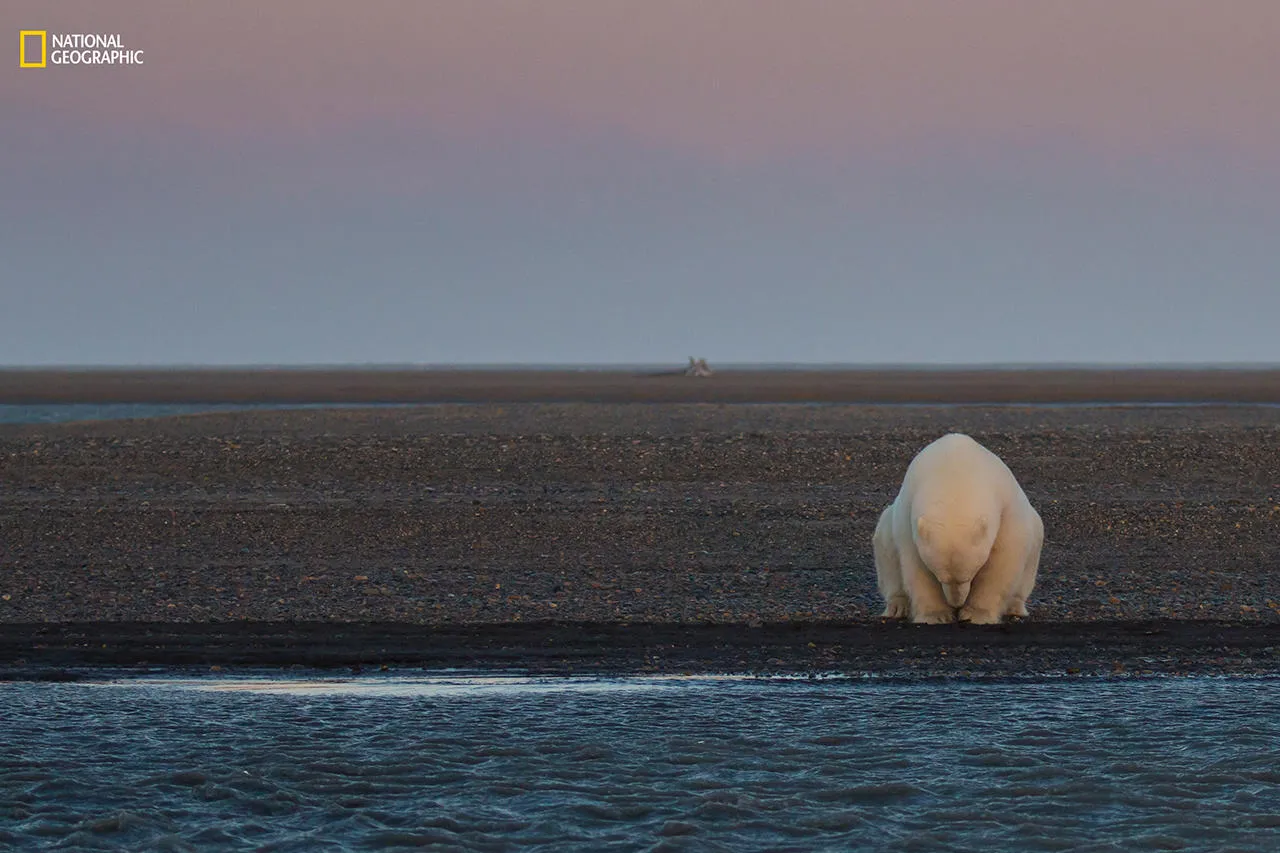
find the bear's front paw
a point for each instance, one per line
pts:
(935, 617)
(1018, 609)
(979, 617)
(897, 608)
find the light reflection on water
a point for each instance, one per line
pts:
(640, 764)
(433, 686)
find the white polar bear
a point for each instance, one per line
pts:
(961, 534)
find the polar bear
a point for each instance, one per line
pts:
(960, 536)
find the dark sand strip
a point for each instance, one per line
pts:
(1166, 647)
(905, 385)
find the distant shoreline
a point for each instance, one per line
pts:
(944, 385)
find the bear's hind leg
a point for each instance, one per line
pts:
(1027, 582)
(889, 569)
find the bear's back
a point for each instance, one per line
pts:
(955, 467)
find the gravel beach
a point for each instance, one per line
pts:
(698, 517)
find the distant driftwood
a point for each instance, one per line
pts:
(696, 367)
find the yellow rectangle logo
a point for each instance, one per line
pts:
(23, 60)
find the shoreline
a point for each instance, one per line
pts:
(71, 652)
(1085, 385)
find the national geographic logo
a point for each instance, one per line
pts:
(40, 49)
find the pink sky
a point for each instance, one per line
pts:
(731, 80)
(293, 181)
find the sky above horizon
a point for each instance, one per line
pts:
(636, 181)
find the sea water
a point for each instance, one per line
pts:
(453, 763)
(53, 413)
(57, 413)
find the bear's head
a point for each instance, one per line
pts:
(955, 549)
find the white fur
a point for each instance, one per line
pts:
(960, 540)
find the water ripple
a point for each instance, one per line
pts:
(693, 765)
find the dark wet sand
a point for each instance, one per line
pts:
(616, 538)
(886, 650)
